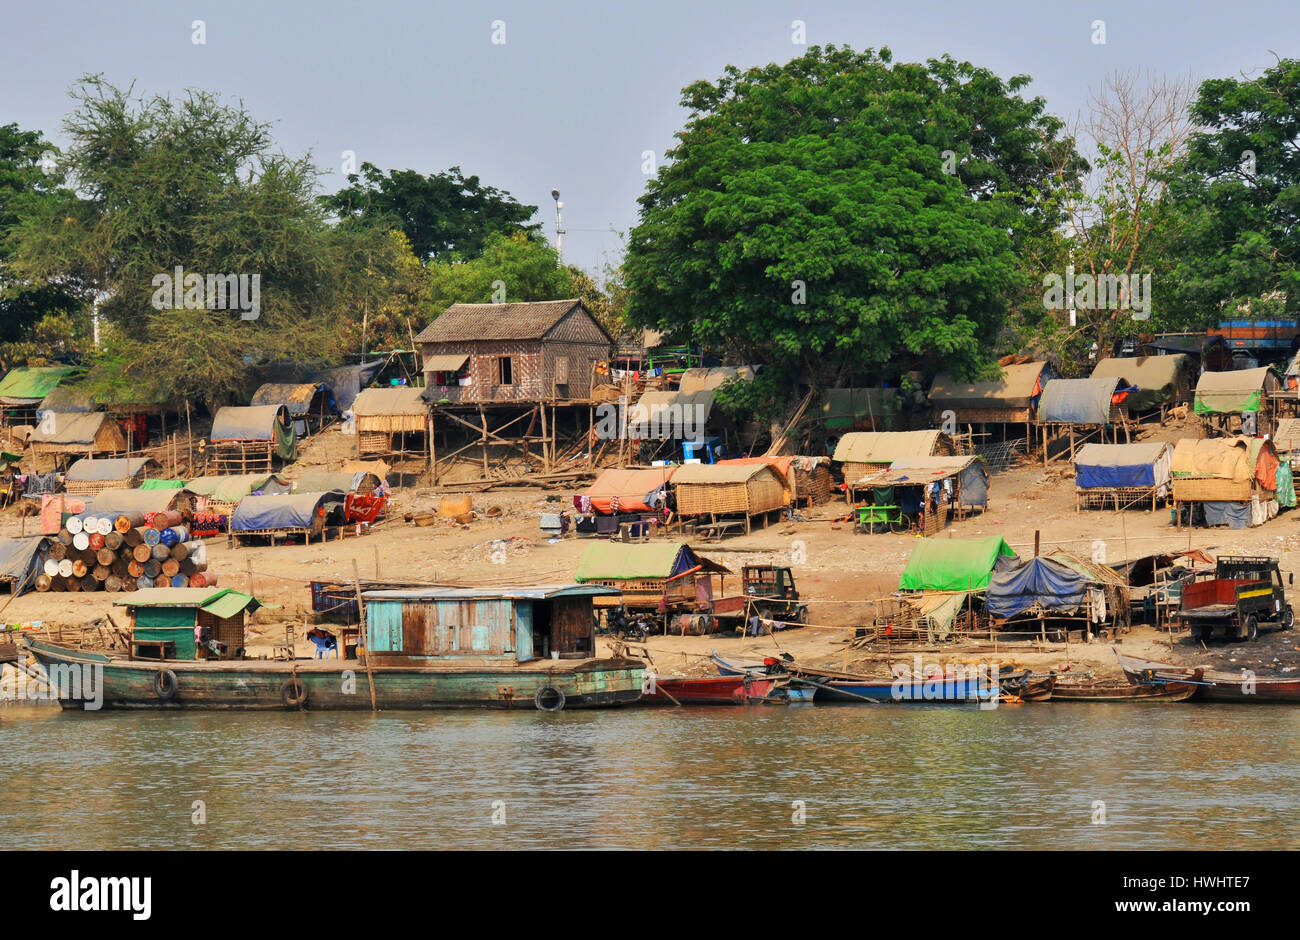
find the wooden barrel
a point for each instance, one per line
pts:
(142, 553)
(128, 521)
(58, 551)
(100, 572)
(113, 540)
(152, 569)
(106, 557)
(135, 569)
(162, 581)
(113, 584)
(43, 582)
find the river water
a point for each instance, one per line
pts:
(907, 777)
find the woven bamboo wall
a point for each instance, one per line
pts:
(813, 486)
(761, 493)
(93, 487)
(1212, 489)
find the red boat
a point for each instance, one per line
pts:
(705, 690)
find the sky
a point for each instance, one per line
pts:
(578, 91)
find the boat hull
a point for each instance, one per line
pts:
(1209, 687)
(706, 690)
(932, 691)
(343, 684)
(1117, 692)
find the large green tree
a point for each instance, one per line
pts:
(511, 269)
(443, 215)
(841, 217)
(1237, 238)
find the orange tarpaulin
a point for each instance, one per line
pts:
(631, 487)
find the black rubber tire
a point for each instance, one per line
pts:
(1288, 618)
(549, 699)
(165, 685)
(293, 693)
(1250, 628)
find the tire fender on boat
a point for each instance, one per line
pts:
(165, 684)
(293, 693)
(549, 699)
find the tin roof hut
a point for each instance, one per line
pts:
(250, 439)
(391, 420)
(715, 490)
(164, 622)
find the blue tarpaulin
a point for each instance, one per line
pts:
(287, 511)
(1042, 581)
(1114, 465)
(1234, 515)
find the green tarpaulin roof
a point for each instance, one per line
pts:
(953, 564)
(616, 561)
(163, 485)
(31, 383)
(1235, 391)
(219, 602)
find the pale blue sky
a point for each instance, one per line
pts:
(579, 89)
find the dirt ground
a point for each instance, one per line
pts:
(838, 571)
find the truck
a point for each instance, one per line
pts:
(768, 591)
(1245, 593)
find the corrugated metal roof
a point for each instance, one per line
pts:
(536, 593)
(461, 322)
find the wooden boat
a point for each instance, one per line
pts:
(426, 648)
(1212, 686)
(833, 686)
(705, 690)
(1117, 690)
(1027, 687)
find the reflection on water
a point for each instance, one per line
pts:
(910, 777)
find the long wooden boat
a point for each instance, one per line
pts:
(833, 686)
(84, 678)
(1117, 690)
(706, 690)
(1212, 686)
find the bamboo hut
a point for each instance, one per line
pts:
(311, 405)
(90, 476)
(1224, 399)
(88, 433)
(1122, 475)
(862, 452)
(633, 489)
(1010, 399)
(714, 490)
(250, 439)
(1229, 481)
(807, 479)
(923, 493)
(391, 420)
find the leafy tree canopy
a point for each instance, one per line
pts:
(840, 216)
(443, 215)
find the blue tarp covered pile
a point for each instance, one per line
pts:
(1042, 581)
(287, 511)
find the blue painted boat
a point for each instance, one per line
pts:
(835, 687)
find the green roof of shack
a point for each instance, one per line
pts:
(32, 383)
(616, 561)
(953, 564)
(219, 602)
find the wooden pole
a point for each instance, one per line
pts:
(361, 628)
(483, 418)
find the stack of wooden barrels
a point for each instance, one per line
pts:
(124, 552)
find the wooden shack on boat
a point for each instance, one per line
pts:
(1009, 400)
(808, 480)
(861, 452)
(1229, 481)
(311, 405)
(713, 490)
(391, 421)
(651, 576)
(519, 624)
(188, 623)
(926, 493)
(24, 388)
(1224, 399)
(90, 433)
(89, 476)
(283, 516)
(250, 439)
(1162, 381)
(1122, 475)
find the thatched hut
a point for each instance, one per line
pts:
(1232, 480)
(808, 480)
(310, 404)
(391, 421)
(863, 452)
(715, 490)
(87, 433)
(89, 476)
